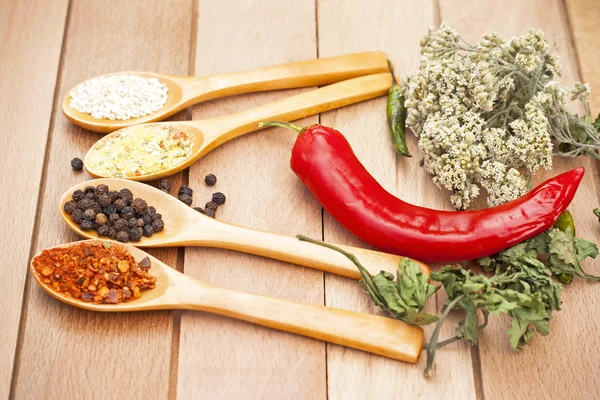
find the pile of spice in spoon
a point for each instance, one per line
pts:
(113, 214)
(119, 97)
(140, 150)
(100, 273)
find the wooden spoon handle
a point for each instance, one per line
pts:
(219, 130)
(290, 249)
(323, 71)
(379, 335)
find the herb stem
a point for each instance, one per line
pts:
(432, 346)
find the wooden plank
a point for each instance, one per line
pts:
(31, 35)
(584, 16)
(395, 27)
(219, 357)
(67, 350)
(562, 362)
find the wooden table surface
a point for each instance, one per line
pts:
(51, 350)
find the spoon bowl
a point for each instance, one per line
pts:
(384, 336)
(185, 91)
(208, 134)
(185, 226)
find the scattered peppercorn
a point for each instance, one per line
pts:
(158, 225)
(212, 205)
(184, 189)
(218, 198)
(69, 207)
(165, 185)
(94, 272)
(77, 164)
(116, 215)
(199, 209)
(210, 179)
(186, 199)
(209, 212)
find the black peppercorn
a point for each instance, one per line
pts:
(69, 207)
(147, 219)
(102, 189)
(199, 209)
(77, 216)
(77, 164)
(121, 224)
(85, 203)
(127, 212)
(90, 190)
(186, 199)
(86, 225)
(158, 225)
(140, 222)
(212, 205)
(101, 219)
(150, 211)
(123, 236)
(132, 222)
(114, 195)
(104, 200)
(109, 210)
(120, 204)
(112, 232)
(147, 230)
(218, 198)
(78, 195)
(210, 179)
(135, 235)
(184, 189)
(126, 195)
(89, 214)
(165, 185)
(103, 230)
(113, 218)
(209, 212)
(96, 207)
(139, 205)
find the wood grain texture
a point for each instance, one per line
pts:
(565, 361)
(67, 350)
(221, 358)
(397, 28)
(30, 40)
(583, 17)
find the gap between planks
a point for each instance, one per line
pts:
(38, 208)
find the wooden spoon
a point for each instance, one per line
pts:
(185, 91)
(210, 133)
(185, 226)
(174, 290)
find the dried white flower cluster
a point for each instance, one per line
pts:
(484, 113)
(119, 97)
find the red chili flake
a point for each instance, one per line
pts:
(100, 273)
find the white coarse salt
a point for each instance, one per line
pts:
(119, 97)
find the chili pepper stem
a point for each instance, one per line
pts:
(281, 124)
(389, 63)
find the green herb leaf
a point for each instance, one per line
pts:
(565, 254)
(597, 211)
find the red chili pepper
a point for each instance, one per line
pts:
(323, 159)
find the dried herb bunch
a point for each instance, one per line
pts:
(491, 115)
